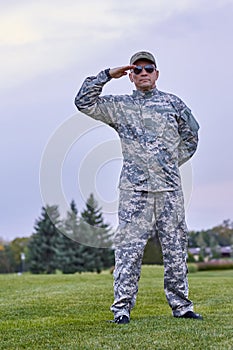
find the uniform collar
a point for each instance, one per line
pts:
(146, 94)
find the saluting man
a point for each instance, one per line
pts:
(158, 133)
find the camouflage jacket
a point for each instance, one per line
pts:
(157, 130)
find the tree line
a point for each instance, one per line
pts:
(84, 242)
(79, 243)
(212, 240)
(221, 235)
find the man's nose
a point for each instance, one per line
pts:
(144, 72)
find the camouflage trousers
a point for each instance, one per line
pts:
(141, 215)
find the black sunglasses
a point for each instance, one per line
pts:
(149, 68)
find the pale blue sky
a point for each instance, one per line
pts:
(48, 48)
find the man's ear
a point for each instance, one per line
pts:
(131, 77)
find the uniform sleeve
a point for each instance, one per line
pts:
(88, 99)
(188, 129)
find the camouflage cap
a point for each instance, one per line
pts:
(142, 55)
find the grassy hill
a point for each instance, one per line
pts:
(71, 312)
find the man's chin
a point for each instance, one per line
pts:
(145, 87)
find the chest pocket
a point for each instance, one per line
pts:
(154, 126)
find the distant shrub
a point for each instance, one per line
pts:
(215, 265)
(192, 268)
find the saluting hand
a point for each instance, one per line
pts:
(120, 71)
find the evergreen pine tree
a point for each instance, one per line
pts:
(73, 207)
(42, 245)
(98, 235)
(69, 251)
(92, 214)
(72, 255)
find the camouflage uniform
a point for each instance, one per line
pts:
(158, 133)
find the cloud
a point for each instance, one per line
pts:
(32, 21)
(37, 37)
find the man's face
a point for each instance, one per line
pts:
(144, 81)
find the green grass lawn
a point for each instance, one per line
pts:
(71, 312)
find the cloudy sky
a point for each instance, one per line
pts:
(48, 48)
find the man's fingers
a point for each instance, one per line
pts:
(120, 71)
(128, 67)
